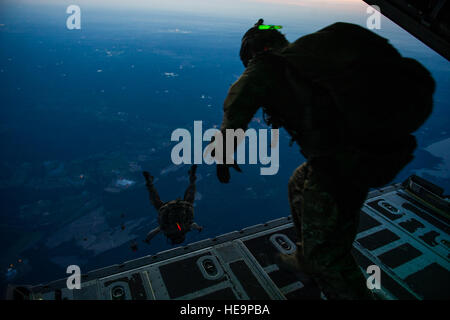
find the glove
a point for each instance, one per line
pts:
(192, 171)
(223, 171)
(147, 176)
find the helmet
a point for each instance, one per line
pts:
(260, 38)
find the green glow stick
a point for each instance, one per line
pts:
(268, 27)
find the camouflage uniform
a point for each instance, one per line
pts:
(325, 211)
(344, 159)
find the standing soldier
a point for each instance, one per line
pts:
(351, 102)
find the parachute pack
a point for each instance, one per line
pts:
(176, 214)
(376, 90)
(380, 98)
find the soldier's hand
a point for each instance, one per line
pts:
(192, 170)
(223, 171)
(147, 176)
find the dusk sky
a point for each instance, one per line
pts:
(297, 16)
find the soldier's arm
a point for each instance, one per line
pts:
(153, 194)
(151, 234)
(245, 96)
(189, 194)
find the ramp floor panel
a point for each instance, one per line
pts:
(399, 233)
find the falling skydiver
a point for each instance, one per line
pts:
(175, 217)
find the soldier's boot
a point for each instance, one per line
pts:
(344, 285)
(295, 264)
(333, 286)
(290, 262)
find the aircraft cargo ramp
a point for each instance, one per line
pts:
(404, 230)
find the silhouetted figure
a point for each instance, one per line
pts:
(351, 102)
(175, 217)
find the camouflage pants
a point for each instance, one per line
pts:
(325, 212)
